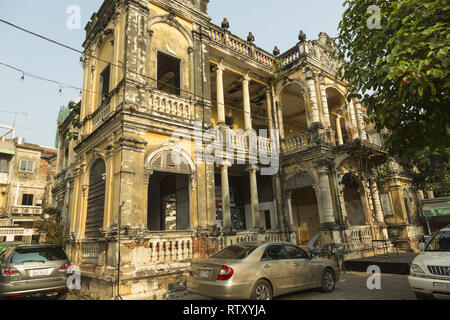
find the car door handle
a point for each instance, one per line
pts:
(267, 266)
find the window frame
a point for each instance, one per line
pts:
(180, 69)
(26, 166)
(104, 95)
(265, 257)
(306, 255)
(5, 161)
(27, 197)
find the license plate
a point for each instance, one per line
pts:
(204, 273)
(40, 272)
(442, 286)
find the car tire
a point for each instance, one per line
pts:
(61, 295)
(262, 291)
(328, 281)
(423, 296)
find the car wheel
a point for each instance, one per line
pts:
(61, 295)
(262, 291)
(328, 281)
(423, 296)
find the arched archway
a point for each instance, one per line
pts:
(338, 116)
(303, 203)
(169, 189)
(353, 194)
(96, 200)
(293, 103)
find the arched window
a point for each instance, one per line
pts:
(96, 200)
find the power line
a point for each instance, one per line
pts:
(107, 62)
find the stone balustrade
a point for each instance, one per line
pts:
(170, 249)
(240, 46)
(100, 116)
(290, 57)
(240, 141)
(248, 236)
(360, 236)
(90, 251)
(296, 142)
(171, 105)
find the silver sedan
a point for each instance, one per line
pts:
(260, 271)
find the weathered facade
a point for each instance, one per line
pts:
(26, 181)
(166, 92)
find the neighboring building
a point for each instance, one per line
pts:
(179, 73)
(29, 180)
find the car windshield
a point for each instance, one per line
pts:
(440, 242)
(235, 252)
(38, 255)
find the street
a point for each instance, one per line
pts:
(352, 286)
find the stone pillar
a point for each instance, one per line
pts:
(360, 121)
(376, 201)
(312, 97)
(269, 113)
(326, 112)
(247, 107)
(354, 128)
(280, 119)
(220, 96)
(327, 216)
(339, 130)
(420, 195)
(225, 198)
(430, 194)
(254, 196)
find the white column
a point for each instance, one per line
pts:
(269, 113)
(326, 112)
(376, 201)
(430, 194)
(313, 99)
(247, 107)
(325, 192)
(254, 197)
(360, 121)
(339, 130)
(351, 110)
(226, 213)
(220, 96)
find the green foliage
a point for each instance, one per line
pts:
(76, 123)
(401, 73)
(50, 230)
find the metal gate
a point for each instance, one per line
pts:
(96, 200)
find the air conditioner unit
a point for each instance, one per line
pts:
(3, 190)
(39, 202)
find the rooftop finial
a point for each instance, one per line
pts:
(302, 36)
(225, 24)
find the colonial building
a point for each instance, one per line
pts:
(26, 182)
(193, 139)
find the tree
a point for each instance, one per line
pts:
(49, 227)
(398, 65)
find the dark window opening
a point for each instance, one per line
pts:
(169, 74)
(27, 200)
(66, 157)
(3, 165)
(104, 83)
(229, 121)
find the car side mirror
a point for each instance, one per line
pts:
(421, 246)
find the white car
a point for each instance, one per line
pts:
(430, 271)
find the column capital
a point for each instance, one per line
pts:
(252, 167)
(220, 67)
(323, 166)
(246, 79)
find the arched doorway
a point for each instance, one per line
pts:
(304, 206)
(169, 190)
(353, 203)
(96, 200)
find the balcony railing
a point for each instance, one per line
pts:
(26, 210)
(360, 236)
(240, 46)
(170, 105)
(240, 141)
(100, 116)
(296, 143)
(248, 236)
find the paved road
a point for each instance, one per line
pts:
(352, 286)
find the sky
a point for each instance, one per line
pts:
(37, 103)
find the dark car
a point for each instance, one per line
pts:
(34, 270)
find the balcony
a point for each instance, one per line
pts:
(296, 143)
(168, 105)
(26, 211)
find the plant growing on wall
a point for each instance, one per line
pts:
(49, 227)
